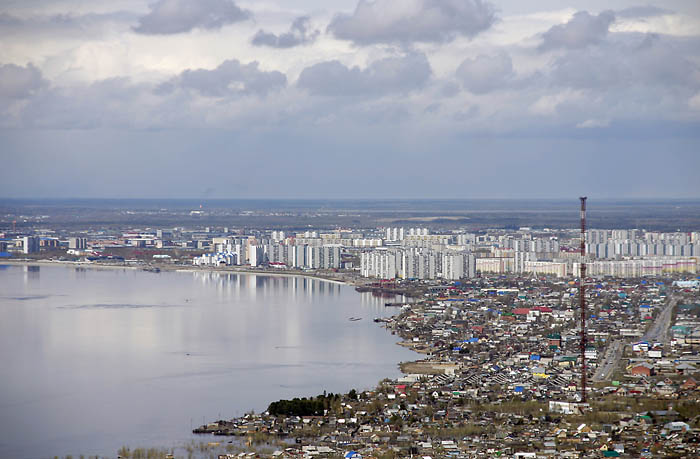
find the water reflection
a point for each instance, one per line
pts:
(31, 273)
(251, 286)
(128, 343)
(80, 272)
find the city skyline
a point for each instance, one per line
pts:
(356, 99)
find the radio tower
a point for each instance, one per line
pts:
(582, 298)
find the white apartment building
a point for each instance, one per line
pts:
(394, 234)
(30, 244)
(417, 263)
(551, 268)
(640, 267)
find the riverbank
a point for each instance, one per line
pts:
(341, 279)
(221, 343)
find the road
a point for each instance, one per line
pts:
(657, 333)
(612, 356)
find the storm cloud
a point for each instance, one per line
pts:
(178, 16)
(407, 21)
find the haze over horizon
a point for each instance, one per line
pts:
(350, 99)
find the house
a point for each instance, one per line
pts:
(689, 384)
(685, 368)
(643, 369)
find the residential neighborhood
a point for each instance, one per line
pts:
(501, 376)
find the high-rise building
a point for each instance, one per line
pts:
(453, 266)
(30, 244)
(78, 243)
(255, 255)
(394, 234)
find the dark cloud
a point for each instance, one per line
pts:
(19, 82)
(582, 30)
(229, 78)
(636, 12)
(486, 73)
(389, 75)
(299, 34)
(177, 16)
(400, 21)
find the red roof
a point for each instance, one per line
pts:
(543, 309)
(521, 311)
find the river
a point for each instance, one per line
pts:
(95, 359)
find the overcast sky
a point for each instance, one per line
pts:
(350, 98)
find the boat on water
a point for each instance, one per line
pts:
(354, 319)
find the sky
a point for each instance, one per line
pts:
(455, 99)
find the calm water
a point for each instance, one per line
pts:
(94, 359)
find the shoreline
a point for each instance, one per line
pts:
(262, 272)
(171, 268)
(404, 367)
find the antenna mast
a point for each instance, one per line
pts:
(582, 298)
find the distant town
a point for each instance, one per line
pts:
(494, 314)
(385, 253)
